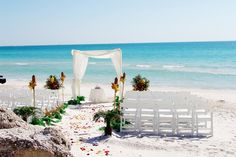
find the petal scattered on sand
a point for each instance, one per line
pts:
(98, 152)
(82, 148)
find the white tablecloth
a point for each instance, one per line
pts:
(97, 95)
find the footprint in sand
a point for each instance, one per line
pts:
(230, 153)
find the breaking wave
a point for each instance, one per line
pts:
(143, 65)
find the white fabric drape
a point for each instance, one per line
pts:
(80, 62)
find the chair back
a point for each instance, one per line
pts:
(145, 95)
(129, 103)
(131, 95)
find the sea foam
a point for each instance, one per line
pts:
(173, 66)
(21, 63)
(143, 65)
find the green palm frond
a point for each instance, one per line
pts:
(98, 115)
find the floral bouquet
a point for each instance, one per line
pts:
(115, 87)
(32, 85)
(140, 83)
(122, 80)
(62, 78)
(53, 83)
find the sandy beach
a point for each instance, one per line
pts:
(87, 139)
(118, 78)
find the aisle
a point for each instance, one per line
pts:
(84, 133)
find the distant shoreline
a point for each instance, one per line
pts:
(227, 95)
(129, 43)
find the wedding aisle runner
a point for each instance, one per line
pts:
(86, 138)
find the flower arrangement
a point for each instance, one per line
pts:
(140, 83)
(115, 87)
(122, 80)
(32, 85)
(53, 83)
(62, 78)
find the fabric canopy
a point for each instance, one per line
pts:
(80, 62)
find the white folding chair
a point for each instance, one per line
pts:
(145, 95)
(129, 119)
(24, 101)
(132, 95)
(147, 115)
(203, 117)
(184, 116)
(165, 117)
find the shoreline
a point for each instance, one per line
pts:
(119, 43)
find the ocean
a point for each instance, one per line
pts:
(210, 65)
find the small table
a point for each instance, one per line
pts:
(97, 95)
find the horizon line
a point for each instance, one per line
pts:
(151, 42)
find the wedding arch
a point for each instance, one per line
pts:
(80, 62)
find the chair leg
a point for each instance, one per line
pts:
(121, 123)
(192, 125)
(173, 125)
(211, 124)
(157, 126)
(177, 125)
(158, 123)
(155, 122)
(197, 124)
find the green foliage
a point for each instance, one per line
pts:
(111, 118)
(115, 124)
(62, 110)
(99, 114)
(54, 117)
(102, 129)
(25, 111)
(65, 105)
(55, 121)
(140, 83)
(81, 98)
(37, 121)
(57, 115)
(117, 102)
(47, 120)
(76, 101)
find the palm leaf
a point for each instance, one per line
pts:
(98, 115)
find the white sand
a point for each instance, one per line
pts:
(77, 124)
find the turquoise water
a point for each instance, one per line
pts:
(194, 64)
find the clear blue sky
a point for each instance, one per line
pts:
(33, 22)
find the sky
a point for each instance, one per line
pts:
(53, 22)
